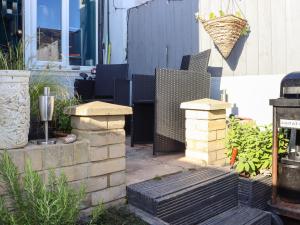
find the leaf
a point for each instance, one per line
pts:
(252, 165)
(255, 160)
(212, 16)
(265, 165)
(221, 13)
(240, 167)
(247, 167)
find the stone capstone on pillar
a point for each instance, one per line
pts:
(205, 130)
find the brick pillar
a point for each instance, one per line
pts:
(205, 131)
(102, 124)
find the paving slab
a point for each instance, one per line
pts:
(142, 165)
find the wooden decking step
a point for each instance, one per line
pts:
(240, 216)
(186, 198)
(256, 193)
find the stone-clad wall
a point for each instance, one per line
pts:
(14, 108)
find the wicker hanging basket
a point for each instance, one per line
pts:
(225, 31)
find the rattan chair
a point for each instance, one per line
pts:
(172, 87)
(197, 62)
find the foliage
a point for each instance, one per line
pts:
(114, 216)
(62, 99)
(254, 146)
(64, 121)
(12, 57)
(34, 202)
(36, 88)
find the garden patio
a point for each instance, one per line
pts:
(151, 112)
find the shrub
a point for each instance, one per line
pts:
(63, 121)
(36, 203)
(254, 146)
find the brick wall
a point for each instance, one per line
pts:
(96, 160)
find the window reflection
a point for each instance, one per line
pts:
(49, 22)
(82, 32)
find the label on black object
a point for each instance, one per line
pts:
(290, 124)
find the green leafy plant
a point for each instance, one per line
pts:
(34, 202)
(254, 146)
(12, 57)
(64, 121)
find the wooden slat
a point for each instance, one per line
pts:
(238, 57)
(293, 34)
(279, 36)
(252, 41)
(205, 9)
(216, 59)
(265, 37)
(227, 71)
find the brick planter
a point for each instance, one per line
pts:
(96, 160)
(255, 192)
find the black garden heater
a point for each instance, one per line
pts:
(286, 171)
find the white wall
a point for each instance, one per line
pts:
(118, 27)
(273, 45)
(253, 72)
(250, 94)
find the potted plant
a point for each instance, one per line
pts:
(225, 29)
(14, 97)
(254, 160)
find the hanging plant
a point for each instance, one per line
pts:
(226, 29)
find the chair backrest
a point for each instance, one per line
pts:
(143, 88)
(172, 87)
(122, 92)
(105, 77)
(197, 62)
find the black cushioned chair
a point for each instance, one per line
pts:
(142, 128)
(172, 87)
(105, 79)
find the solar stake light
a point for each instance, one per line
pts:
(46, 106)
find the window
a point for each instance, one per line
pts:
(61, 32)
(49, 32)
(82, 30)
